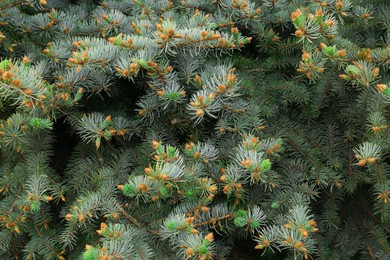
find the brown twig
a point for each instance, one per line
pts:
(135, 221)
(11, 5)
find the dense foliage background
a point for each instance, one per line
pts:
(194, 129)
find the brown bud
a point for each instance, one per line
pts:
(81, 217)
(189, 252)
(381, 87)
(371, 160)
(159, 27)
(7, 75)
(170, 32)
(298, 244)
(199, 113)
(319, 12)
(68, 217)
(362, 162)
(375, 72)
(155, 144)
(210, 237)
(213, 188)
(329, 23)
(342, 53)
(299, 33)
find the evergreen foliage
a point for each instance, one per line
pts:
(167, 129)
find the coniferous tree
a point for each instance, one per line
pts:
(157, 129)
